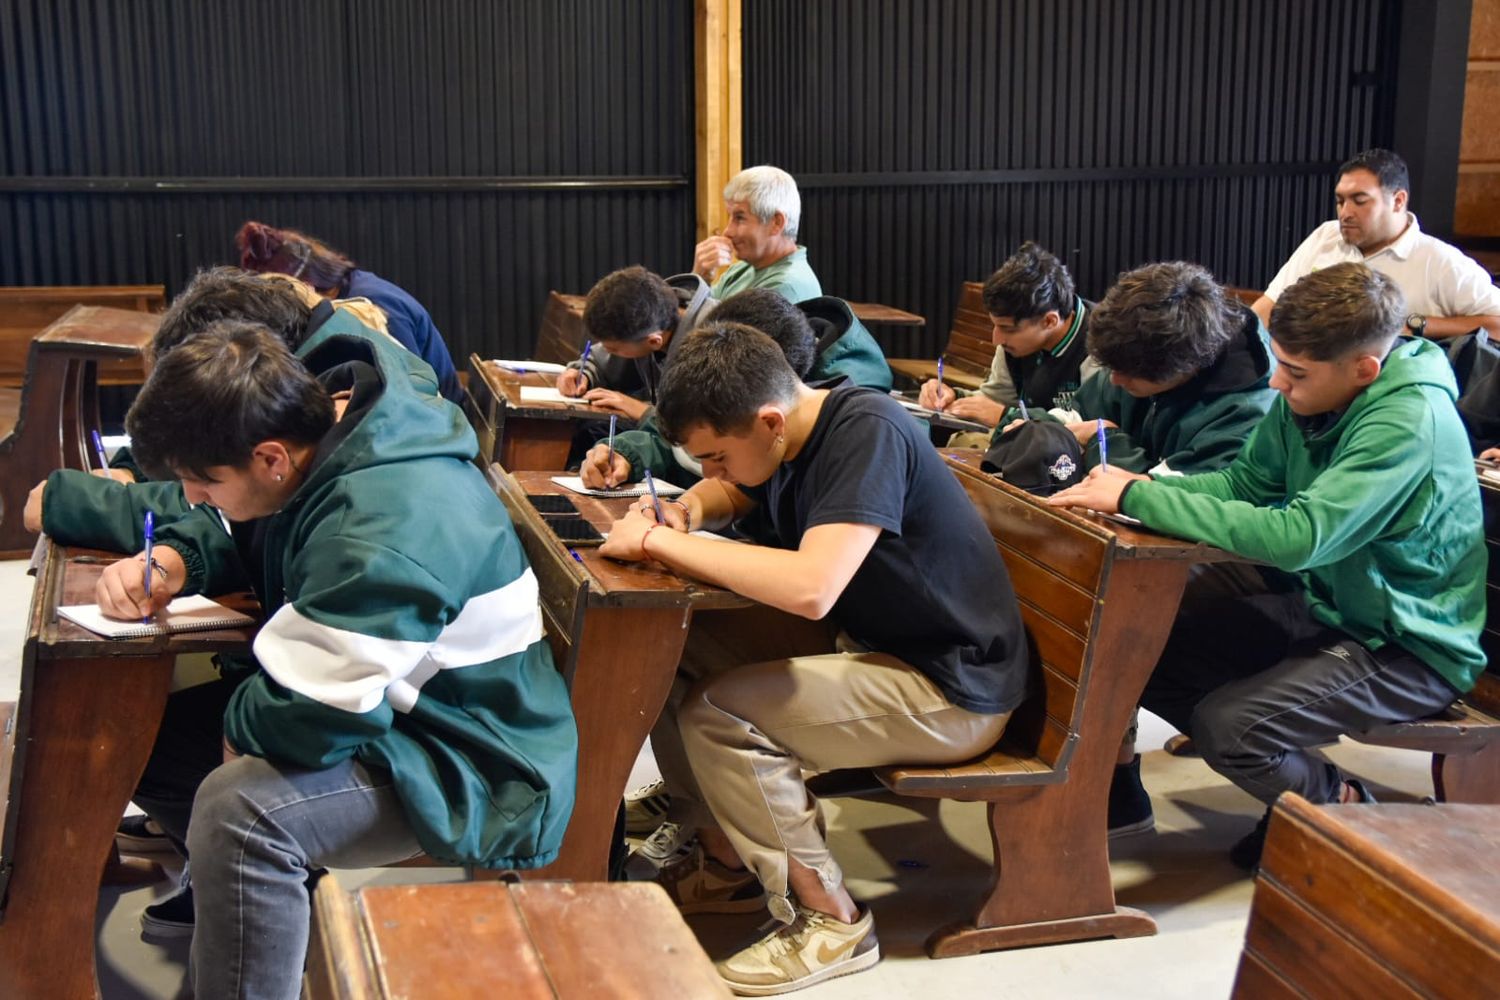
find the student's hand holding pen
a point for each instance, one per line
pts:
(710, 256)
(617, 402)
(1087, 430)
(935, 395)
(572, 382)
(121, 590)
(599, 472)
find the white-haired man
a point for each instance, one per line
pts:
(760, 237)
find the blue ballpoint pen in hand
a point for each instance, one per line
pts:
(610, 465)
(99, 450)
(1103, 446)
(1024, 414)
(150, 540)
(655, 500)
(940, 376)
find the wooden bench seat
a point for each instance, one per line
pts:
(1097, 603)
(1464, 740)
(970, 350)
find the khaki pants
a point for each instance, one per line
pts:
(733, 747)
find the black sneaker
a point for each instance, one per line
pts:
(169, 917)
(140, 835)
(1247, 850)
(1129, 805)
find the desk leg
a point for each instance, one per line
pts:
(1034, 900)
(88, 732)
(626, 660)
(535, 444)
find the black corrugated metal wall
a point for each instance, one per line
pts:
(476, 152)
(930, 138)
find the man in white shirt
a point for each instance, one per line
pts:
(1448, 294)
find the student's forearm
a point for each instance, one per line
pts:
(712, 506)
(796, 581)
(1441, 327)
(1262, 307)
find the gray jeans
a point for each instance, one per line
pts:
(1257, 682)
(258, 830)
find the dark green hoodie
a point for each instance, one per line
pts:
(1198, 426)
(1378, 514)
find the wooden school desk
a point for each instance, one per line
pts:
(617, 631)
(1386, 900)
(522, 435)
(522, 941)
(88, 714)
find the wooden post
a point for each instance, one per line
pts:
(716, 52)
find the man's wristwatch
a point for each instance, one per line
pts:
(1416, 325)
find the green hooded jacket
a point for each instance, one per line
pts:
(1379, 514)
(1198, 426)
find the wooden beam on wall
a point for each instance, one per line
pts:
(719, 100)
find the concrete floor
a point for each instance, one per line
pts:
(919, 865)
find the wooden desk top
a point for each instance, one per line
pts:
(530, 940)
(1131, 542)
(610, 580)
(125, 332)
(67, 576)
(506, 385)
(874, 312)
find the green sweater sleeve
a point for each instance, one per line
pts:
(1333, 517)
(207, 550)
(646, 448)
(99, 513)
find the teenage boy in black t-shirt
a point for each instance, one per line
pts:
(858, 520)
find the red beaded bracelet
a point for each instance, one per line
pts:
(644, 553)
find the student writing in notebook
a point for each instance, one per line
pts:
(402, 698)
(85, 510)
(856, 520)
(822, 341)
(1358, 485)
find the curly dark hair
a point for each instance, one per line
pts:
(1030, 283)
(770, 313)
(721, 375)
(1339, 310)
(629, 305)
(228, 293)
(1162, 321)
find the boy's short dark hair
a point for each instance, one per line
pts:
(1162, 321)
(629, 305)
(228, 293)
(770, 313)
(721, 375)
(1339, 310)
(1032, 282)
(1388, 167)
(215, 396)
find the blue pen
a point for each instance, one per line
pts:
(940, 372)
(655, 500)
(150, 539)
(1103, 446)
(1022, 404)
(613, 418)
(99, 450)
(583, 359)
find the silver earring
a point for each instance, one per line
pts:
(279, 477)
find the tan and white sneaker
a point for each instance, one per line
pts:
(810, 949)
(699, 884)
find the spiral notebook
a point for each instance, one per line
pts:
(184, 614)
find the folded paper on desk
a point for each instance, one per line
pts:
(185, 614)
(547, 394)
(541, 367)
(626, 490)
